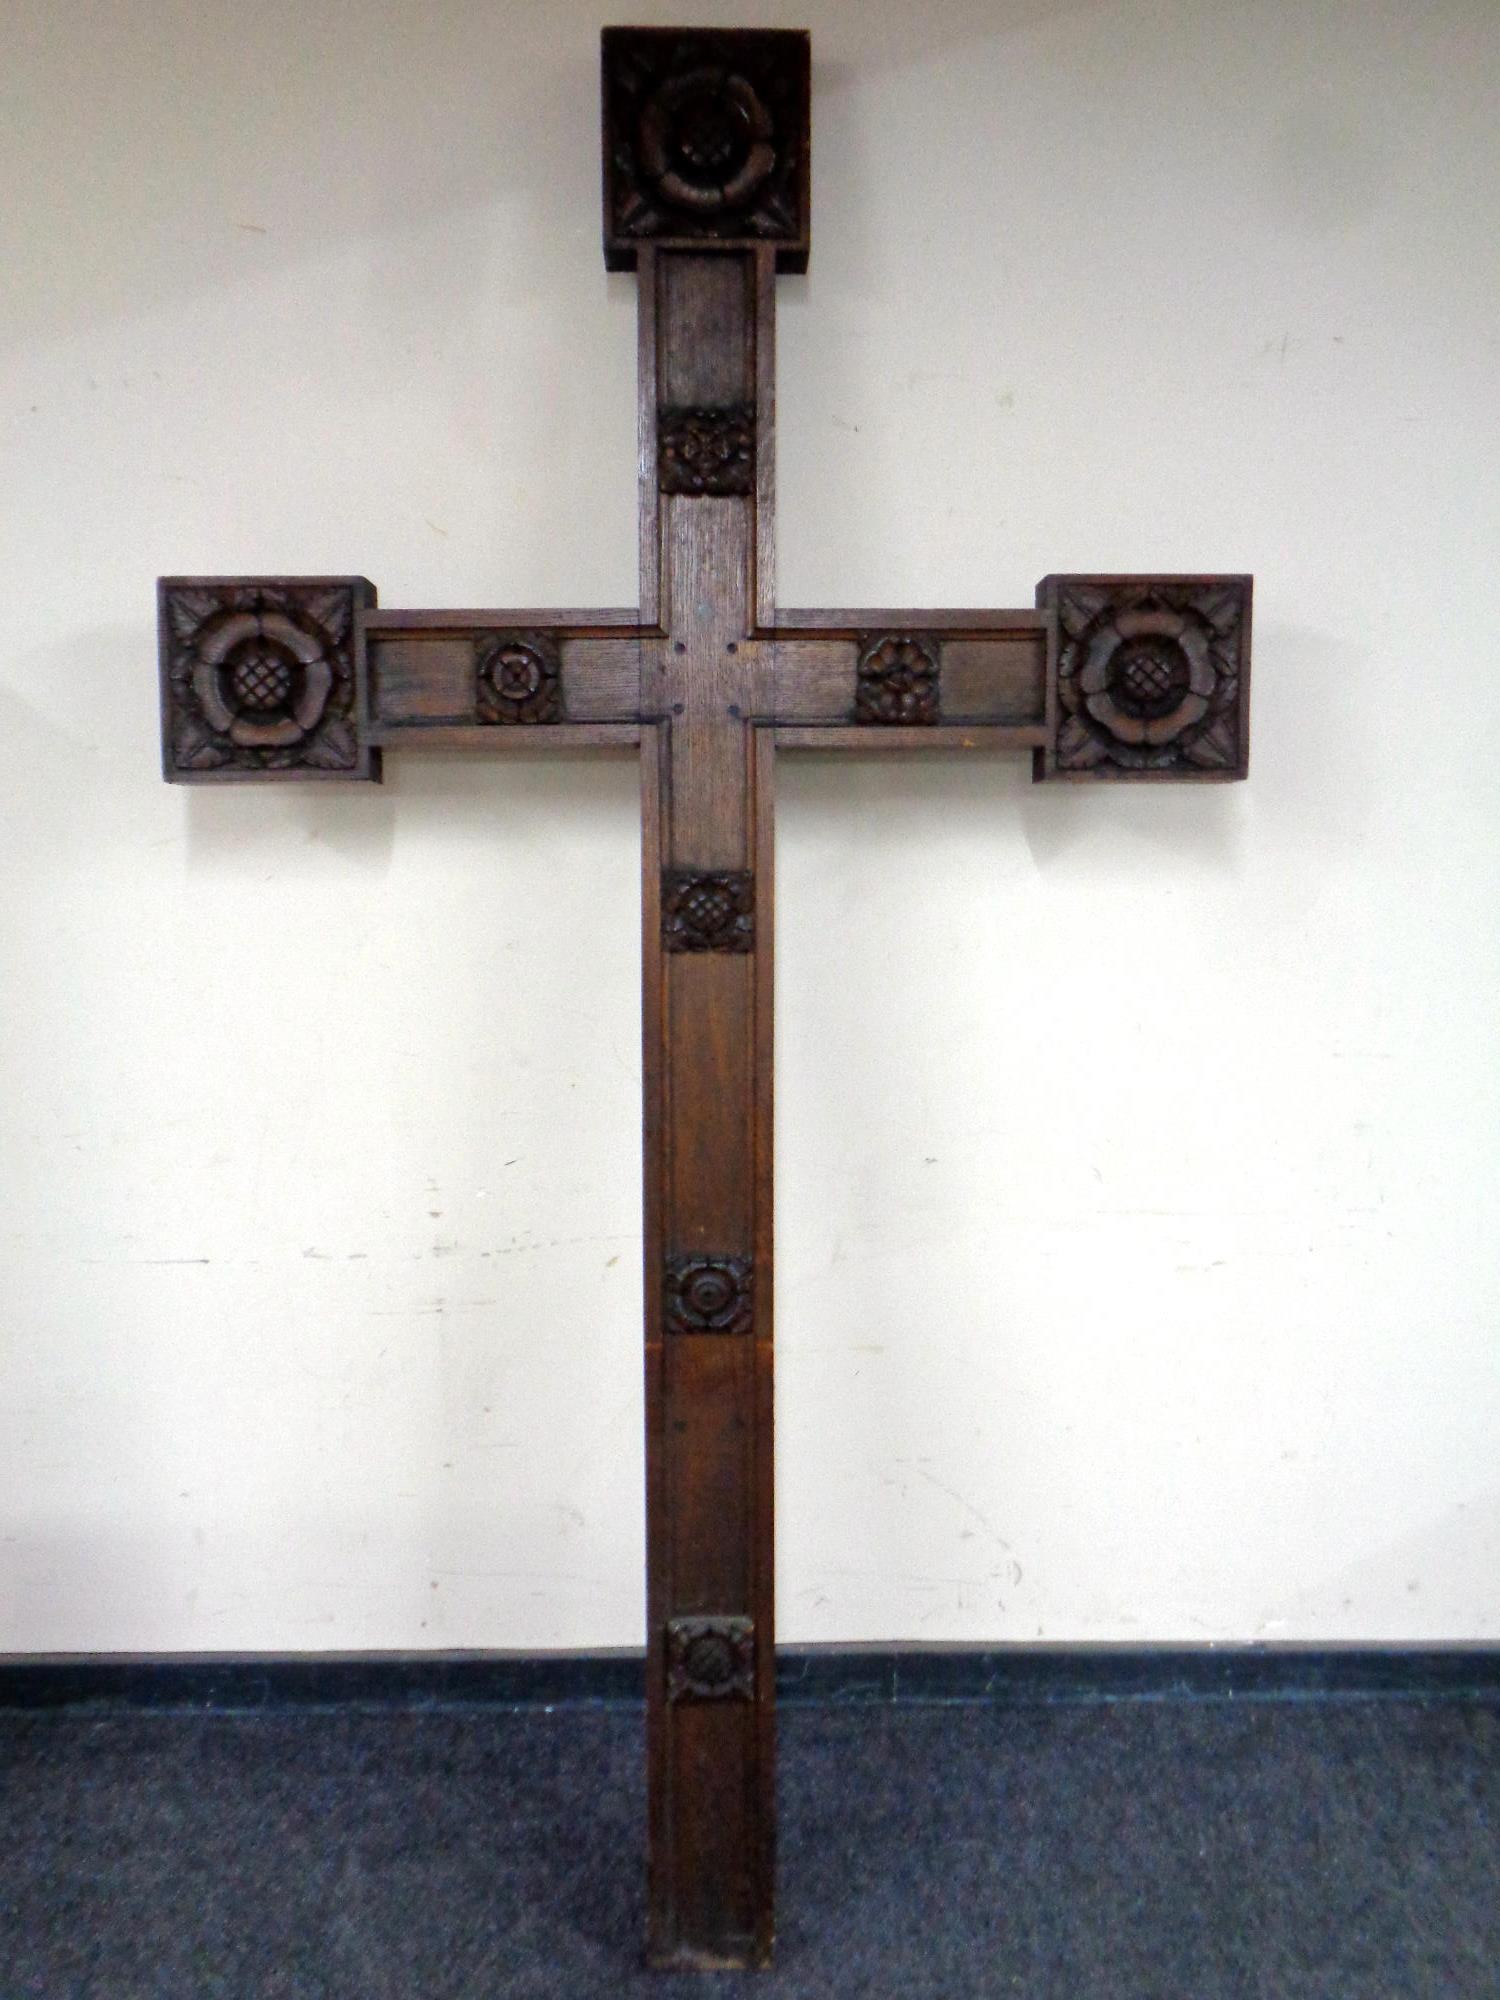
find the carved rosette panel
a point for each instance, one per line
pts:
(711, 912)
(258, 677)
(897, 680)
(707, 451)
(1152, 676)
(517, 678)
(709, 1295)
(705, 140)
(710, 1659)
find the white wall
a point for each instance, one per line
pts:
(1137, 1148)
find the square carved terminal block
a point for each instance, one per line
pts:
(261, 678)
(706, 141)
(1148, 676)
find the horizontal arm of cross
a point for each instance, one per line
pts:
(305, 677)
(882, 679)
(838, 679)
(500, 679)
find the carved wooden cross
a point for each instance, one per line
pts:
(706, 197)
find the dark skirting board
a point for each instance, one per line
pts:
(847, 1676)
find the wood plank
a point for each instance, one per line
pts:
(988, 680)
(580, 623)
(942, 738)
(849, 623)
(985, 679)
(428, 673)
(705, 307)
(709, 1057)
(765, 440)
(704, 678)
(709, 1386)
(485, 738)
(707, 1038)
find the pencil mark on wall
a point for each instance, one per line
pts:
(974, 1513)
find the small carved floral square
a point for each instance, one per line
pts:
(897, 682)
(707, 451)
(710, 1295)
(713, 912)
(710, 1659)
(517, 678)
(258, 677)
(1153, 675)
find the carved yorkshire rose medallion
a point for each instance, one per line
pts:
(714, 912)
(258, 677)
(710, 1295)
(710, 1659)
(1153, 675)
(896, 681)
(705, 139)
(516, 679)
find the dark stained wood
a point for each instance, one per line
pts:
(1117, 677)
(582, 624)
(946, 739)
(416, 678)
(848, 624)
(707, 141)
(711, 1778)
(262, 677)
(476, 736)
(981, 679)
(1150, 677)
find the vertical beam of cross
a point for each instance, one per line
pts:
(707, 1012)
(1109, 677)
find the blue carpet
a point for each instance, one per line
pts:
(1171, 1851)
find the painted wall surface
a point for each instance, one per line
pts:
(1137, 1149)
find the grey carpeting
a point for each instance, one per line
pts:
(1181, 1851)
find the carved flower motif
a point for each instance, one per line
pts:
(708, 451)
(1147, 677)
(709, 1295)
(261, 680)
(705, 140)
(258, 677)
(897, 681)
(517, 681)
(710, 1659)
(1149, 673)
(714, 912)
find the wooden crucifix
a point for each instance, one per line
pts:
(706, 198)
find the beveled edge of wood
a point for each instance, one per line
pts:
(952, 623)
(613, 623)
(948, 735)
(487, 736)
